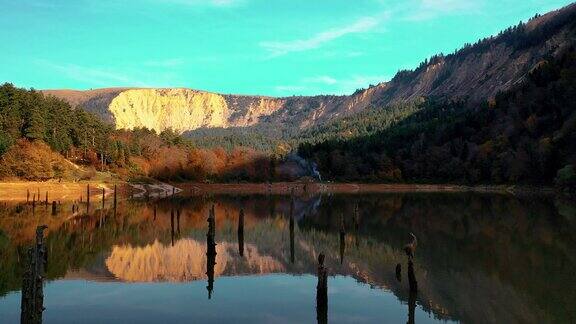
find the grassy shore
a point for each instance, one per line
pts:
(58, 191)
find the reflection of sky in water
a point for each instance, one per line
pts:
(250, 299)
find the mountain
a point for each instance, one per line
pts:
(526, 134)
(473, 74)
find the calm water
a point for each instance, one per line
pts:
(480, 258)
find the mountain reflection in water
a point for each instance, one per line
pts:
(480, 258)
(185, 261)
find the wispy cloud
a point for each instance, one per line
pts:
(324, 79)
(364, 24)
(289, 88)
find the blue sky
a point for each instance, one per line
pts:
(268, 47)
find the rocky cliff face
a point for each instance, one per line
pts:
(475, 73)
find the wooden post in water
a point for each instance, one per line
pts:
(32, 304)
(210, 252)
(87, 199)
(46, 200)
(27, 196)
(53, 208)
(322, 292)
(33, 204)
(412, 277)
(411, 307)
(241, 233)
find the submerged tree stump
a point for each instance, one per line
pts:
(32, 304)
(210, 252)
(87, 199)
(412, 277)
(241, 233)
(322, 292)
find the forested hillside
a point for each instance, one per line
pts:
(38, 132)
(525, 135)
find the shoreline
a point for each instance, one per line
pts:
(284, 188)
(57, 191)
(65, 191)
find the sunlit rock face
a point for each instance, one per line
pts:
(176, 109)
(185, 261)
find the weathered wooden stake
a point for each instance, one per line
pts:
(32, 304)
(411, 307)
(46, 200)
(88, 199)
(412, 277)
(399, 272)
(53, 208)
(241, 233)
(322, 292)
(210, 252)
(27, 196)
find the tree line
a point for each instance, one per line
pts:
(524, 135)
(38, 131)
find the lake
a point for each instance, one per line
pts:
(480, 258)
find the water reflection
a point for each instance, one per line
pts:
(481, 258)
(241, 233)
(322, 292)
(211, 251)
